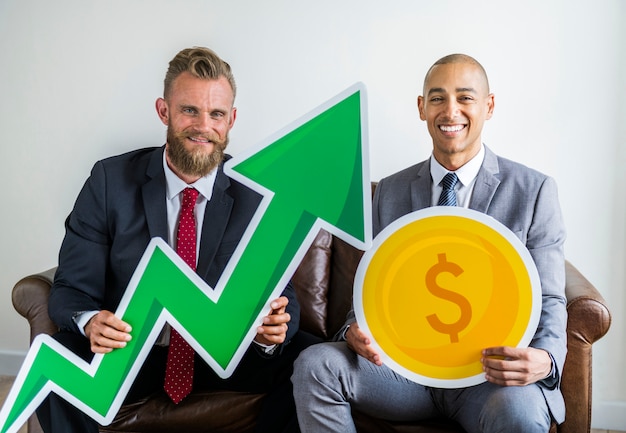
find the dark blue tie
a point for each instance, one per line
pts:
(448, 195)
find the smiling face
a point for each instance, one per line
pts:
(455, 105)
(199, 114)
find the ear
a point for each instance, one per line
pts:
(162, 110)
(491, 101)
(233, 117)
(420, 107)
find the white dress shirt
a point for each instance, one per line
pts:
(466, 174)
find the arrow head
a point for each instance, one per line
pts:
(319, 165)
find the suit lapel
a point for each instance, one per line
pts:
(153, 194)
(216, 216)
(421, 187)
(486, 183)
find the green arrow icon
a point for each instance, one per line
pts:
(313, 174)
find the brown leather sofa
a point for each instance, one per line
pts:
(324, 286)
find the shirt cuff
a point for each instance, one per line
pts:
(267, 349)
(551, 380)
(82, 318)
(342, 337)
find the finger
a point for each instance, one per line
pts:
(118, 324)
(100, 349)
(105, 345)
(360, 343)
(499, 363)
(279, 305)
(371, 355)
(507, 378)
(273, 329)
(505, 382)
(501, 352)
(107, 336)
(108, 332)
(107, 320)
(117, 338)
(272, 334)
(506, 370)
(276, 319)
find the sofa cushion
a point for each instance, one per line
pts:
(210, 411)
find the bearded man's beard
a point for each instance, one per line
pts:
(196, 162)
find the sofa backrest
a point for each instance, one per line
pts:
(324, 281)
(323, 284)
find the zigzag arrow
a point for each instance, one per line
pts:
(312, 176)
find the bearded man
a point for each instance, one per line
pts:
(131, 198)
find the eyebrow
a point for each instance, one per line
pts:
(458, 90)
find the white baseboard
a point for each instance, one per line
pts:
(10, 362)
(609, 415)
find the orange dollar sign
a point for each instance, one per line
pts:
(451, 329)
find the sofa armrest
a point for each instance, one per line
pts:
(583, 302)
(30, 299)
(588, 320)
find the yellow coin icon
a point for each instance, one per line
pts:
(441, 284)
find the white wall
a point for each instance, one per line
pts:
(79, 80)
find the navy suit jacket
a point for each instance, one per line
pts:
(119, 209)
(526, 202)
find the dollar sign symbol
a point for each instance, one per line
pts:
(451, 329)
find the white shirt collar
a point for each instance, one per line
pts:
(466, 174)
(174, 184)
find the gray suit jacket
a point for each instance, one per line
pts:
(526, 202)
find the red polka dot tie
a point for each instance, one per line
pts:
(179, 368)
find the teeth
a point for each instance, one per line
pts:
(201, 140)
(453, 128)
